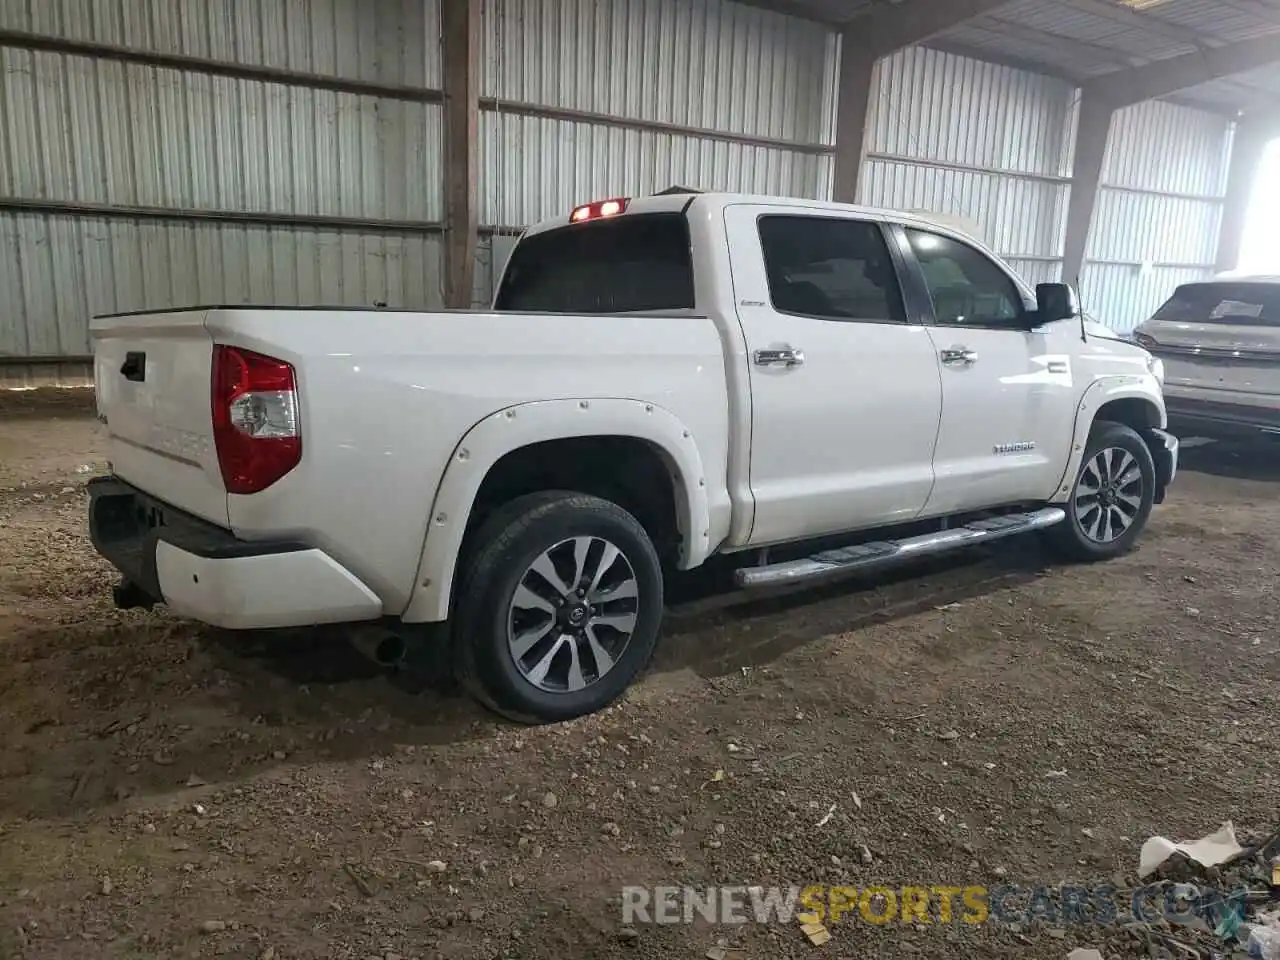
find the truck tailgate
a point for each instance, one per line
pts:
(153, 376)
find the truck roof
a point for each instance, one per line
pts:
(674, 202)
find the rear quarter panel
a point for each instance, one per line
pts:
(386, 397)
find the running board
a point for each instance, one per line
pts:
(867, 556)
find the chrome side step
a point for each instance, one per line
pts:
(868, 556)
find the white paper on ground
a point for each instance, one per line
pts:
(1218, 847)
(1080, 953)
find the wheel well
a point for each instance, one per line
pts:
(1133, 412)
(632, 473)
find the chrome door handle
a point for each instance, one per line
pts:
(959, 355)
(786, 357)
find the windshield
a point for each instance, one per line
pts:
(627, 264)
(1223, 302)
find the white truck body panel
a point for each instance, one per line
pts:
(271, 590)
(381, 421)
(811, 469)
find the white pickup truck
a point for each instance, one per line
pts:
(792, 388)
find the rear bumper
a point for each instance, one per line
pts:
(1164, 451)
(204, 572)
(1205, 418)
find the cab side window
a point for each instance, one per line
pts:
(967, 287)
(831, 269)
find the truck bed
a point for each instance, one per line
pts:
(385, 398)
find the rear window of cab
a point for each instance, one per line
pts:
(627, 264)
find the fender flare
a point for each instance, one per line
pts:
(1098, 394)
(522, 425)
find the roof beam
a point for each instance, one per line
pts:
(1258, 8)
(1093, 128)
(1124, 88)
(883, 29)
(947, 45)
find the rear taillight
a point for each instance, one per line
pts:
(601, 209)
(255, 419)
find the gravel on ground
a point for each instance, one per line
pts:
(168, 790)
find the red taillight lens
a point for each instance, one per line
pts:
(255, 419)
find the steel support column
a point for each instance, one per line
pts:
(853, 105)
(1092, 130)
(460, 43)
(882, 29)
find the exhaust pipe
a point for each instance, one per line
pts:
(380, 645)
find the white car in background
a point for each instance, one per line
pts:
(1219, 341)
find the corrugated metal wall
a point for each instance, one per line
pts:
(332, 38)
(993, 145)
(280, 190)
(130, 186)
(1159, 210)
(752, 91)
(975, 140)
(127, 185)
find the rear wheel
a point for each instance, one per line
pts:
(559, 608)
(1111, 497)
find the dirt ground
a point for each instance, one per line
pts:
(169, 791)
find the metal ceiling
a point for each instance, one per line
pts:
(1083, 39)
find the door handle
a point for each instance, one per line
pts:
(784, 357)
(959, 356)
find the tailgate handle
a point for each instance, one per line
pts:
(135, 366)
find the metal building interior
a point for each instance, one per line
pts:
(176, 152)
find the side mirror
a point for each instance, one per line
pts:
(1056, 301)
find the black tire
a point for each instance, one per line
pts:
(1071, 538)
(506, 546)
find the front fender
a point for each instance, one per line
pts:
(525, 424)
(1096, 396)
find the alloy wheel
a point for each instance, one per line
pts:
(1108, 495)
(572, 615)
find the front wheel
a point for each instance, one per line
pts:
(559, 608)
(1111, 498)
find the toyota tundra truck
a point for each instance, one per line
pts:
(790, 389)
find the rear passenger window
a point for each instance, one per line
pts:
(831, 269)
